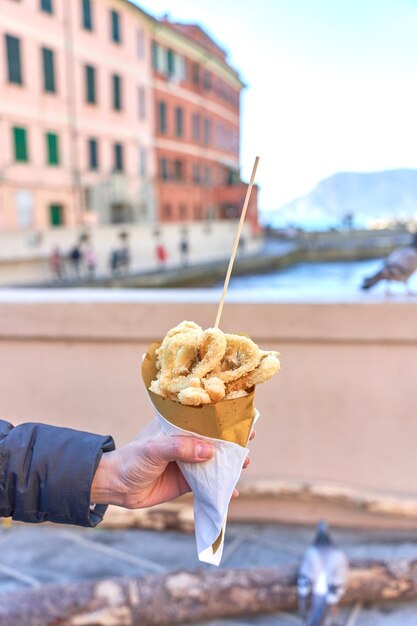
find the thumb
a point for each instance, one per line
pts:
(186, 449)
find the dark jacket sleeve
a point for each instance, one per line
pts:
(46, 473)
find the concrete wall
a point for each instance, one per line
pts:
(343, 409)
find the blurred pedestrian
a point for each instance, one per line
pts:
(90, 260)
(184, 250)
(75, 258)
(56, 263)
(161, 255)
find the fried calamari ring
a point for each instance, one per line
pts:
(242, 355)
(194, 396)
(268, 366)
(210, 346)
(179, 330)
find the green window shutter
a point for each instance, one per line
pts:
(90, 84)
(46, 6)
(93, 154)
(48, 70)
(87, 19)
(155, 56)
(118, 157)
(56, 215)
(117, 95)
(170, 62)
(179, 123)
(20, 144)
(115, 26)
(52, 146)
(162, 117)
(14, 65)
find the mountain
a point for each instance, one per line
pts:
(367, 196)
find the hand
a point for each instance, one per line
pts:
(144, 473)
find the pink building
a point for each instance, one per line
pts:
(76, 114)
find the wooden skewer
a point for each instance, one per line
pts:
(236, 243)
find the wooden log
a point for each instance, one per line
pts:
(192, 596)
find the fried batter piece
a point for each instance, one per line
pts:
(198, 367)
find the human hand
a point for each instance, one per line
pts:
(144, 473)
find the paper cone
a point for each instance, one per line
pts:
(228, 424)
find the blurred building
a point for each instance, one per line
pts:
(197, 114)
(75, 113)
(109, 116)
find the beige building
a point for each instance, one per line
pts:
(75, 114)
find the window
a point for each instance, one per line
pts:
(56, 214)
(196, 173)
(20, 145)
(90, 84)
(87, 17)
(143, 162)
(207, 80)
(52, 148)
(164, 169)
(46, 6)
(155, 56)
(178, 170)
(207, 131)
(24, 206)
(14, 67)
(198, 212)
(162, 117)
(170, 62)
(183, 211)
(142, 103)
(179, 122)
(115, 26)
(207, 176)
(167, 211)
(93, 154)
(48, 61)
(118, 157)
(117, 96)
(196, 126)
(195, 73)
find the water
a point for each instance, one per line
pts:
(321, 279)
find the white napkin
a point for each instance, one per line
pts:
(212, 483)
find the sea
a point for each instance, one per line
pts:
(316, 280)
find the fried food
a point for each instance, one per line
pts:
(196, 366)
(268, 366)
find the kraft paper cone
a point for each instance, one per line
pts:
(228, 424)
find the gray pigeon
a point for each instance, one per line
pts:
(321, 578)
(399, 266)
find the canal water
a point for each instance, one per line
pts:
(317, 279)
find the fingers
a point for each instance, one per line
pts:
(185, 449)
(246, 462)
(253, 435)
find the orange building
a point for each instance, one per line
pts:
(197, 126)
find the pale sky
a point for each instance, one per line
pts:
(332, 84)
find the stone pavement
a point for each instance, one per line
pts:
(37, 555)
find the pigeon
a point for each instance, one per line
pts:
(399, 266)
(321, 578)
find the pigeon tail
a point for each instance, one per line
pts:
(318, 612)
(372, 280)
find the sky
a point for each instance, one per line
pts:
(331, 84)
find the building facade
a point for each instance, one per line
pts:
(109, 116)
(76, 127)
(197, 127)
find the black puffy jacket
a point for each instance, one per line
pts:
(46, 473)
